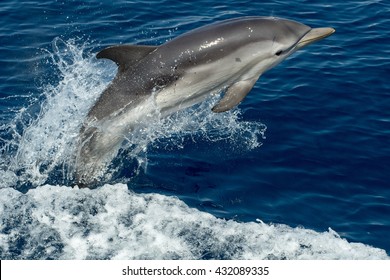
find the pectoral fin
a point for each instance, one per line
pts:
(234, 95)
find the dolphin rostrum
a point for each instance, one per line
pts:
(228, 56)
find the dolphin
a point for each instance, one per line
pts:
(227, 56)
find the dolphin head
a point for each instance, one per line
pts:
(291, 36)
(279, 38)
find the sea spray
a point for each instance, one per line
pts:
(45, 133)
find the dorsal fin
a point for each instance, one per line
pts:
(125, 56)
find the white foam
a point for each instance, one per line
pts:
(111, 222)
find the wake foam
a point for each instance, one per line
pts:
(111, 222)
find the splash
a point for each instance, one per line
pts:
(192, 125)
(43, 143)
(43, 137)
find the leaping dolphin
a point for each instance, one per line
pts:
(227, 56)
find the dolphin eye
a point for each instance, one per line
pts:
(279, 52)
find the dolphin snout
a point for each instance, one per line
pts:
(315, 35)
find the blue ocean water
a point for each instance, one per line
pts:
(300, 170)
